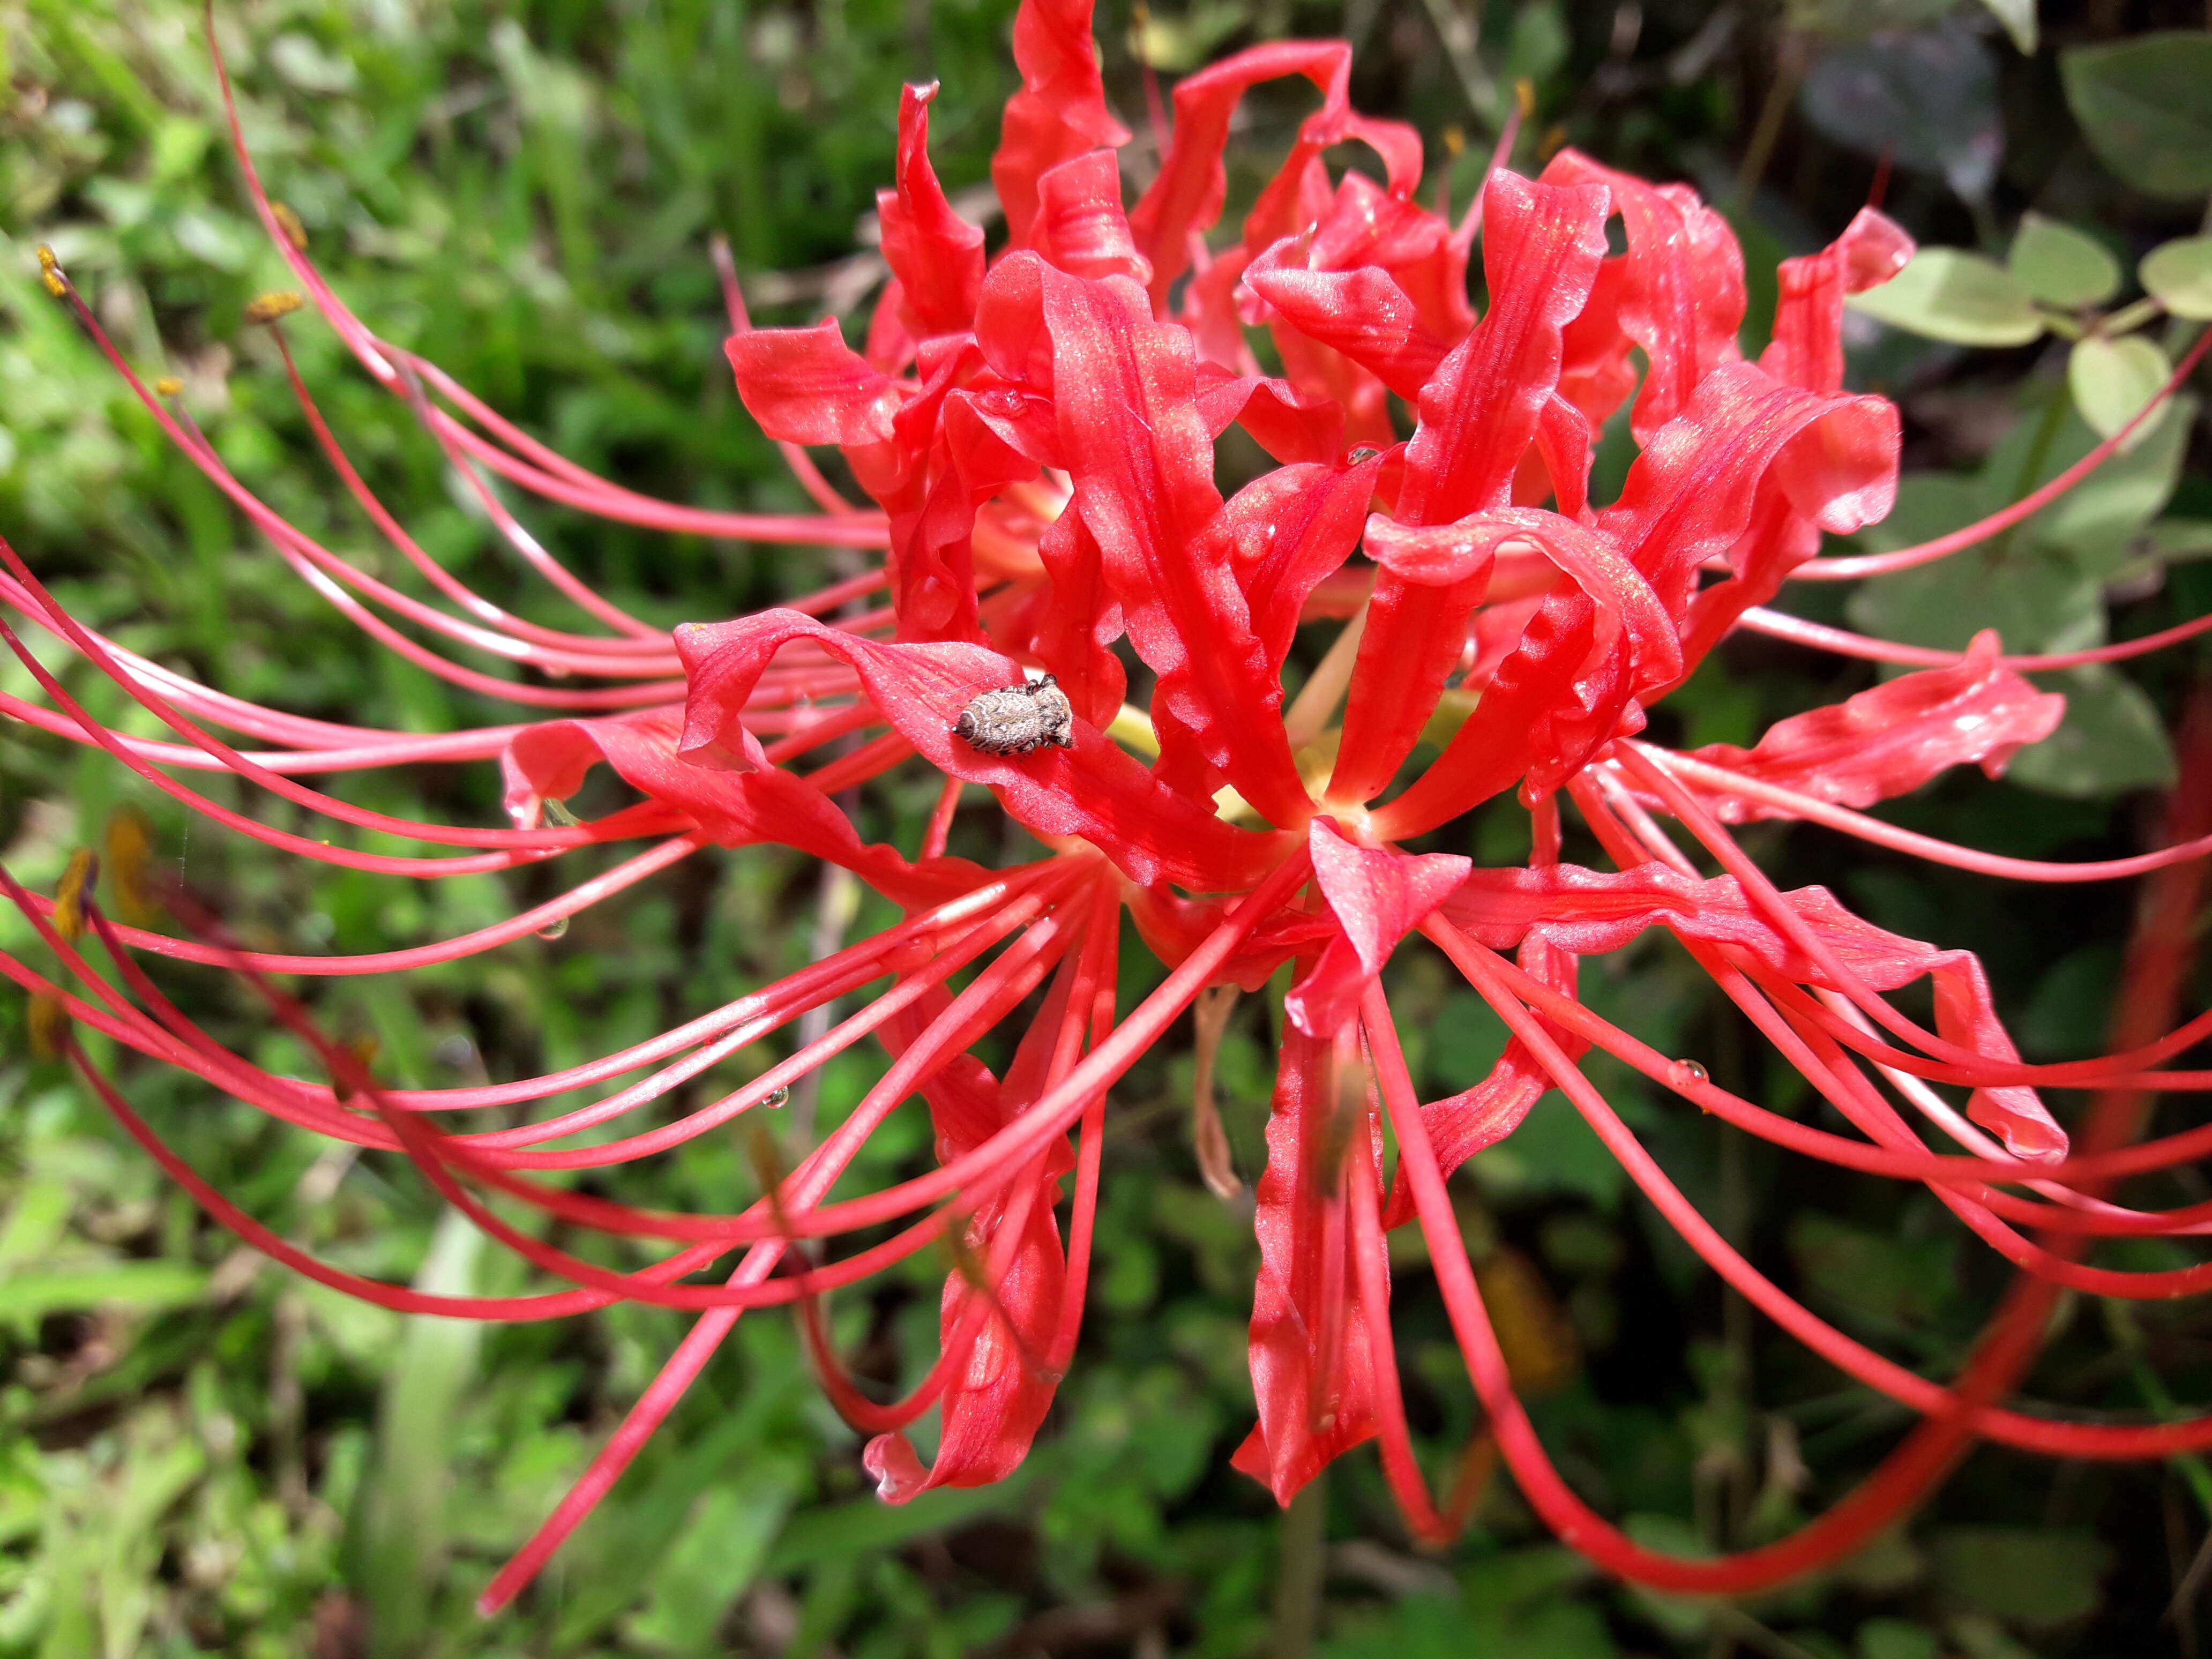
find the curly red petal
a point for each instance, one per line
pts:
(1540, 251)
(1891, 740)
(1681, 293)
(805, 385)
(1092, 790)
(1313, 1372)
(936, 255)
(1060, 112)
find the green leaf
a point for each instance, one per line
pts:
(1553, 1151)
(2112, 739)
(2178, 275)
(2096, 522)
(2177, 540)
(865, 1526)
(2111, 381)
(1947, 294)
(2142, 105)
(26, 1297)
(630, 1534)
(1541, 42)
(1928, 505)
(2018, 17)
(714, 1558)
(2065, 1017)
(1880, 1282)
(2061, 265)
(2036, 1579)
(35, 1221)
(2037, 599)
(403, 1526)
(1894, 1639)
(1980, 1637)
(1183, 43)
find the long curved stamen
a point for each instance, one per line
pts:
(1789, 1037)
(1487, 973)
(1936, 851)
(1905, 558)
(1777, 625)
(524, 459)
(314, 800)
(1768, 898)
(443, 580)
(1870, 1508)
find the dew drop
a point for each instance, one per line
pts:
(1684, 1073)
(779, 1096)
(555, 928)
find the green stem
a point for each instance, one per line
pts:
(2192, 1469)
(1741, 1626)
(1304, 1533)
(1773, 111)
(1461, 36)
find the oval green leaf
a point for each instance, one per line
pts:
(2110, 741)
(2061, 265)
(1947, 294)
(2143, 106)
(2178, 275)
(2112, 380)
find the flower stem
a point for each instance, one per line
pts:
(1304, 1533)
(1789, 69)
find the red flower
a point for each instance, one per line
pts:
(1037, 431)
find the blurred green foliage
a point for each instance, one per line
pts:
(199, 1455)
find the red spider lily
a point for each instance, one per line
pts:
(1038, 430)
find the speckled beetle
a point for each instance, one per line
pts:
(1018, 721)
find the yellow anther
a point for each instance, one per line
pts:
(76, 885)
(128, 846)
(1524, 96)
(50, 1025)
(277, 303)
(167, 386)
(1455, 141)
(1555, 140)
(49, 272)
(289, 221)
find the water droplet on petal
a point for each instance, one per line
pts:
(779, 1096)
(1685, 1073)
(555, 928)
